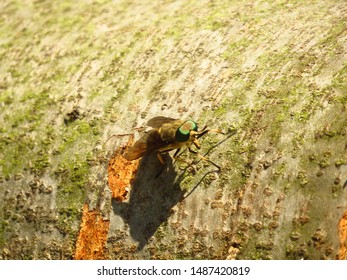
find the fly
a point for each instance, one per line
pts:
(169, 134)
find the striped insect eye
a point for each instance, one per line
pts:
(183, 132)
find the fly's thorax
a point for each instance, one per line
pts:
(168, 130)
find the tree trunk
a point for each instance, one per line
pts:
(79, 81)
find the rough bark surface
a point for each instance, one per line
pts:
(74, 73)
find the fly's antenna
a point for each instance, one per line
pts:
(204, 131)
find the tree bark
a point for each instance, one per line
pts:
(77, 79)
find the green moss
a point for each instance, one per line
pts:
(275, 130)
(40, 164)
(331, 43)
(161, 231)
(216, 20)
(323, 163)
(297, 142)
(7, 97)
(223, 108)
(339, 81)
(74, 177)
(71, 193)
(17, 149)
(236, 49)
(279, 170)
(340, 162)
(66, 223)
(2, 232)
(83, 127)
(303, 178)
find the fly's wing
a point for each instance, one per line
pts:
(154, 140)
(157, 122)
(149, 142)
(138, 150)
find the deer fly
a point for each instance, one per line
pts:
(169, 134)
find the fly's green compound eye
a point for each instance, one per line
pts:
(183, 132)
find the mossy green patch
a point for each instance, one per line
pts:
(66, 223)
(71, 193)
(2, 231)
(339, 82)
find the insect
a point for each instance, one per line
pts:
(168, 134)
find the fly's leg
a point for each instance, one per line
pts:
(204, 158)
(203, 132)
(176, 156)
(160, 158)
